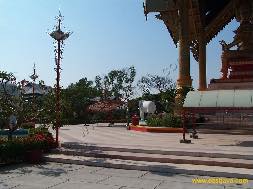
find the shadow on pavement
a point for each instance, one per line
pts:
(51, 172)
(242, 144)
(22, 169)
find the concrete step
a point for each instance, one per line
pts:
(223, 129)
(175, 151)
(222, 162)
(202, 170)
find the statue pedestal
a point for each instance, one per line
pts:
(142, 123)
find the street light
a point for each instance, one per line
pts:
(34, 76)
(59, 36)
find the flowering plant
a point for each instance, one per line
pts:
(3, 140)
(33, 143)
(42, 141)
(16, 150)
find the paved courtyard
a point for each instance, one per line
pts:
(67, 176)
(120, 137)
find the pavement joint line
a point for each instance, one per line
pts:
(14, 186)
(90, 182)
(122, 187)
(143, 174)
(94, 171)
(103, 179)
(12, 177)
(76, 169)
(159, 184)
(67, 180)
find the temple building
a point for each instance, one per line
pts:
(38, 90)
(26, 89)
(192, 24)
(237, 63)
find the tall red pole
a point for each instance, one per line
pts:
(59, 36)
(33, 77)
(58, 108)
(184, 140)
(33, 91)
(184, 129)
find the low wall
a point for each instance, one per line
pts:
(156, 129)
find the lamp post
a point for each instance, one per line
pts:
(34, 76)
(59, 36)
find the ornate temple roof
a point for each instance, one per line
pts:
(38, 89)
(12, 89)
(210, 16)
(217, 14)
(105, 106)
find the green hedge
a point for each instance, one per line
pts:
(167, 120)
(12, 151)
(28, 125)
(15, 150)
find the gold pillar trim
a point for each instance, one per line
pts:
(184, 78)
(184, 81)
(202, 62)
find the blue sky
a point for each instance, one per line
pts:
(108, 35)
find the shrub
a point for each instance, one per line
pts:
(167, 120)
(43, 137)
(16, 149)
(12, 151)
(28, 125)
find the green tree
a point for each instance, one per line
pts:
(110, 85)
(117, 84)
(8, 95)
(10, 102)
(159, 88)
(79, 96)
(151, 84)
(128, 87)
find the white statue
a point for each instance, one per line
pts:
(146, 107)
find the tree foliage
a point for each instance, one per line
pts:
(151, 84)
(10, 102)
(117, 83)
(77, 97)
(159, 88)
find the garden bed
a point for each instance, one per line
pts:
(156, 129)
(26, 148)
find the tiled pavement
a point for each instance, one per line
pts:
(67, 176)
(120, 137)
